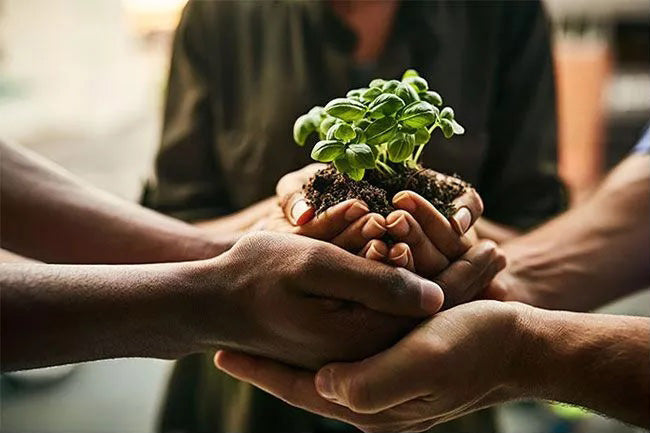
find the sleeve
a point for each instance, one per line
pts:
(187, 183)
(519, 181)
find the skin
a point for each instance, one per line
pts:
(301, 298)
(486, 352)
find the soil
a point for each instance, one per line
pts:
(329, 187)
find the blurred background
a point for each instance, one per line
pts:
(82, 82)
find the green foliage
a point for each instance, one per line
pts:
(375, 126)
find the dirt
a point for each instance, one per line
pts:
(329, 187)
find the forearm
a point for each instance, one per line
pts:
(50, 215)
(56, 314)
(240, 221)
(592, 254)
(499, 233)
(597, 361)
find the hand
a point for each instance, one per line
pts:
(349, 224)
(427, 241)
(457, 362)
(307, 302)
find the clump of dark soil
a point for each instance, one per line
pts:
(329, 187)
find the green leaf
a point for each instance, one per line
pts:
(327, 150)
(343, 165)
(447, 128)
(385, 105)
(360, 136)
(302, 128)
(410, 73)
(363, 123)
(377, 82)
(401, 147)
(447, 113)
(341, 131)
(371, 94)
(326, 124)
(318, 112)
(407, 93)
(419, 84)
(431, 97)
(390, 86)
(355, 93)
(422, 136)
(457, 128)
(381, 130)
(418, 115)
(345, 109)
(360, 156)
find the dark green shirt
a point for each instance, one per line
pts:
(241, 73)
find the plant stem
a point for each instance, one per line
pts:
(419, 152)
(386, 167)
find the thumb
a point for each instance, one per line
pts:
(375, 384)
(296, 209)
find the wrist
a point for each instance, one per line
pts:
(545, 353)
(209, 288)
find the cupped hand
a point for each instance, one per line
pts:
(432, 240)
(458, 361)
(349, 224)
(308, 302)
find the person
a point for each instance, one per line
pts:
(242, 72)
(165, 289)
(486, 352)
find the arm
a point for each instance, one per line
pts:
(49, 215)
(470, 357)
(590, 255)
(246, 298)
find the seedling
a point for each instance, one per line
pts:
(378, 127)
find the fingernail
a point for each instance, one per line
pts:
(432, 296)
(374, 254)
(402, 260)
(372, 229)
(325, 383)
(400, 227)
(356, 211)
(461, 220)
(403, 200)
(298, 209)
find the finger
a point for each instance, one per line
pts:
(375, 250)
(403, 227)
(469, 208)
(335, 273)
(433, 223)
(400, 255)
(377, 383)
(294, 181)
(296, 209)
(465, 278)
(354, 237)
(330, 223)
(291, 385)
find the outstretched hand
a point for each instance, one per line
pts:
(308, 302)
(435, 360)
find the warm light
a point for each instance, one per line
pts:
(148, 16)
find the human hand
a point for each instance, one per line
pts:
(349, 224)
(306, 302)
(427, 241)
(451, 364)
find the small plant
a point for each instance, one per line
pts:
(387, 123)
